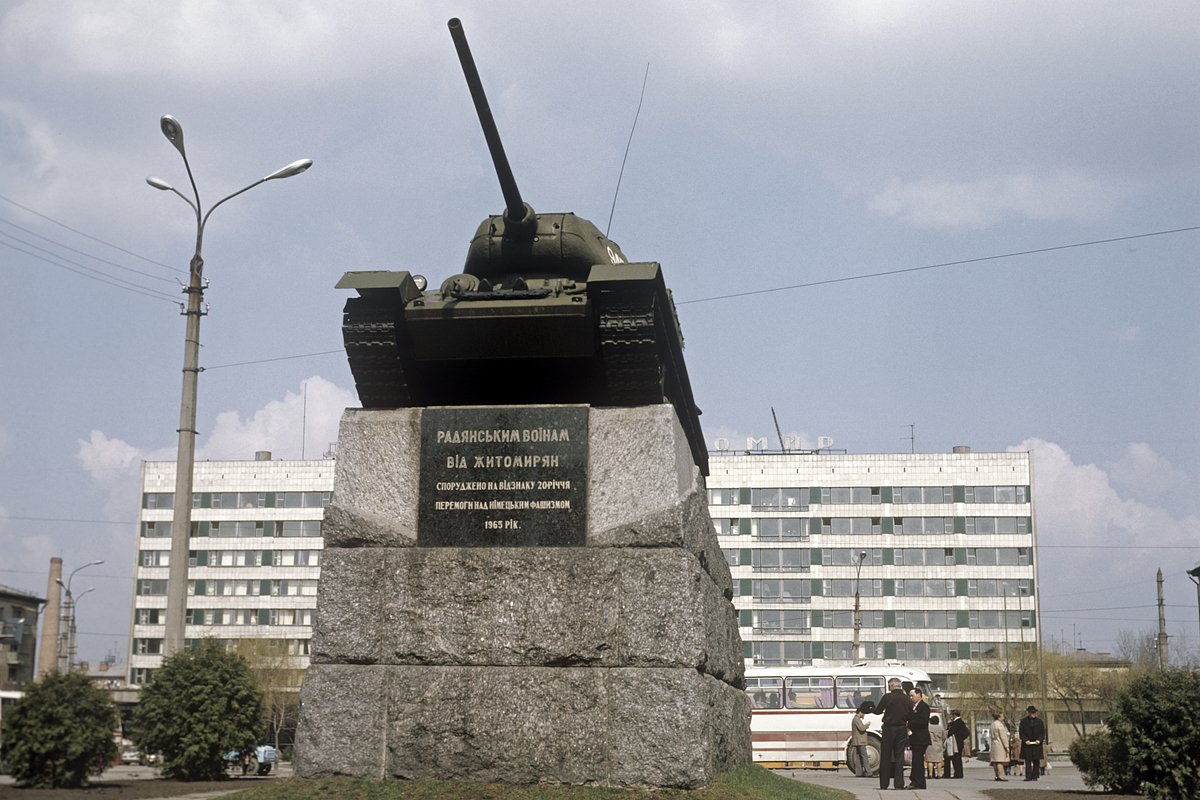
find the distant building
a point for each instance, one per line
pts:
(253, 562)
(949, 575)
(18, 636)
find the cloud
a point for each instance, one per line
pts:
(944, 204)
(1145, 473)
(1099, 549)
(1126, 333)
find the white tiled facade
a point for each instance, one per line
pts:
(254, 557)
(950, 573)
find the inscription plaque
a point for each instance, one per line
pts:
(503, 476)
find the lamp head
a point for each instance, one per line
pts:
(173, 131)
(159, 183)
(294, 168)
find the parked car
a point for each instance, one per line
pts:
(259, 761)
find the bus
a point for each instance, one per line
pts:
(800, 716)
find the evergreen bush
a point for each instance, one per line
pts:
(1155, 733)
(59, 733)
(201, 705)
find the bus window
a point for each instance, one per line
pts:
(853, 692)
(765, 692)
(934, 700)
(810, 692)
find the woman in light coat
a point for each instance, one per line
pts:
(999, 737)
(935, 752)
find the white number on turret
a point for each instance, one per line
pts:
(614, 257)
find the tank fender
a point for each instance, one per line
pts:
(380, 282)
(636, 272)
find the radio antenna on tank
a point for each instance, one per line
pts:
(624, 158)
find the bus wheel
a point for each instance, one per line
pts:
(873, 757)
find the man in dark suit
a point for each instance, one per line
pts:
(896, 710)
(918, 737)
(957, 731)
(1033, 734)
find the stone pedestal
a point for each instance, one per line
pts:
(618, 662)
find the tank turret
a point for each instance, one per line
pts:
(546, 310)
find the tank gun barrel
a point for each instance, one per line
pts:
(516, 210)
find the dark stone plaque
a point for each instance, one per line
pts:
(503, 476)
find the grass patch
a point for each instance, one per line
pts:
(747, 783)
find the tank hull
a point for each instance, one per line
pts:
(613, 340)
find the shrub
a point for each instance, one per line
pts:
(59, 733)
(201, 705)
(1156, 734)
(1093, 754)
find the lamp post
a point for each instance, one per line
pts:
(181, 521)
(854, 652)
(71, 640)
(66, 638)
(1194, 574)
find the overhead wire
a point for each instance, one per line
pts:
(84, 253)
(87, 272)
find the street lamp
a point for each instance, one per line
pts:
(66, 638)
(1194, 574)
(176, 616)
(854, 653)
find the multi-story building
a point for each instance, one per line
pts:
(253, 561)
(940, 549)
(18, 636)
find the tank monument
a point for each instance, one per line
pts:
(521, 581)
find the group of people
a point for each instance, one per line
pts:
(1021, 749)
(937, 749)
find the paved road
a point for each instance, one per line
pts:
(977, 777)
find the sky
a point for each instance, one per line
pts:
(902, 225)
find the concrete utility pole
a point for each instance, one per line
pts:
(855, 655)
(1160, 643)
(181, 521)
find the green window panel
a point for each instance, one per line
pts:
(264, 616)
(960, 494)
(818, 649)
(206, 499)
(268, 557)
(818, 619)
(961, 587)
(201, 588)
(964, 649)
(201, 558)
(960, 556)
(889, 619)
(960, 524)
(889, 587)
(885, 496)
(195, 616)
(818, 588)
(889, 649)
(270, 500)
(264, 588)
(814, 496)
(814, 526)
(814, 555)
(744, 526)
(889, 556)
(746, 587)
(747, 649)
(269, 528)
(963, 619)
(1032, 589)
(888, 525)
(744, 496)
(745, 618)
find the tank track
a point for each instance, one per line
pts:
(369, 333)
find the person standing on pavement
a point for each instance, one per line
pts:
(936, 752)
(999, 741)
(896, 710)
(1033, 733)
(858, 742)
(958, 734)
(918, 737)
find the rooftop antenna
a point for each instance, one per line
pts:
(778, 433)
(912, 437)
(625, 157)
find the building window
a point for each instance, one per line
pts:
(925, 588)
(781, 528)
(143, 647)
(151, 587)
(156, 529)
(924, 556)
(723, 497)
(777, 620)
(158, 500)
(149, 616)
(781, 652)
(781, 560)
(923, 494)
(783, 590)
